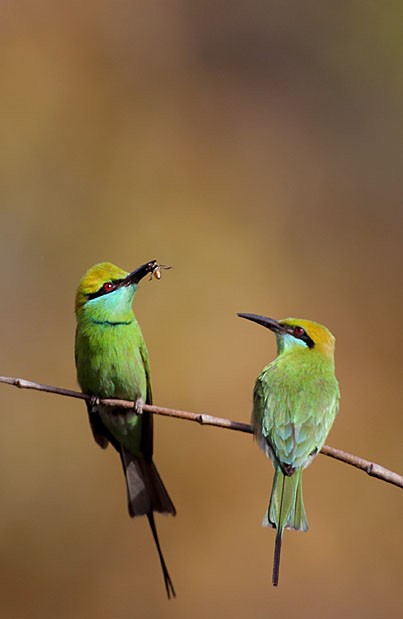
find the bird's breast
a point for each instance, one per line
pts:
(109, 363)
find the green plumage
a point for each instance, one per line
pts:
(118, 368)
(112, 362)
(295, 402)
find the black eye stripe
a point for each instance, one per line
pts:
(308, 341)
(301, 336)
(101, 292)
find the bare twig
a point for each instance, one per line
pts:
(372, 469)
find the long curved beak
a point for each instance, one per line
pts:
(135, 276)
(269, 323)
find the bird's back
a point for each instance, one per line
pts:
(295, 403)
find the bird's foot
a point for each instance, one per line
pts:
(138, 406)
(94, 403)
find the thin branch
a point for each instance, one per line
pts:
(372, 469)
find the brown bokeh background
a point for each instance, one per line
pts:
(257, 148)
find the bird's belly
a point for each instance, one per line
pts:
(124, 425)
(125, 382)
(110, 365)
(113, 371)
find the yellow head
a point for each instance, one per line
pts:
(109, 289)
(314, 335)
(98, 280)
(294, 333)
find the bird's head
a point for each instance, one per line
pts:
(107, 289)
(297, 333)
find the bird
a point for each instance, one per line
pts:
(112, 362)
(295, 402)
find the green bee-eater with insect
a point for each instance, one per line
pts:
(112, 362)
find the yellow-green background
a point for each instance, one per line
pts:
(256, 147)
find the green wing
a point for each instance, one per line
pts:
(146, 363)
(147, 418)
(293, 413)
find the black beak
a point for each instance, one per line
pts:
(135, 276)
(269, 323)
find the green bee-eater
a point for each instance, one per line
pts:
(112, 362)
(295, 401)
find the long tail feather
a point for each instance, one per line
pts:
(167, 579)
(279, 534)
(146, 494)
(286, 511)
(276, 560)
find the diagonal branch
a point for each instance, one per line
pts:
(371, 468)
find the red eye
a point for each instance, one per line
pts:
(298, 331)
(107, 287)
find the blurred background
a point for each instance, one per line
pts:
(256, 147)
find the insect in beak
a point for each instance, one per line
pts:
(156, 272)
